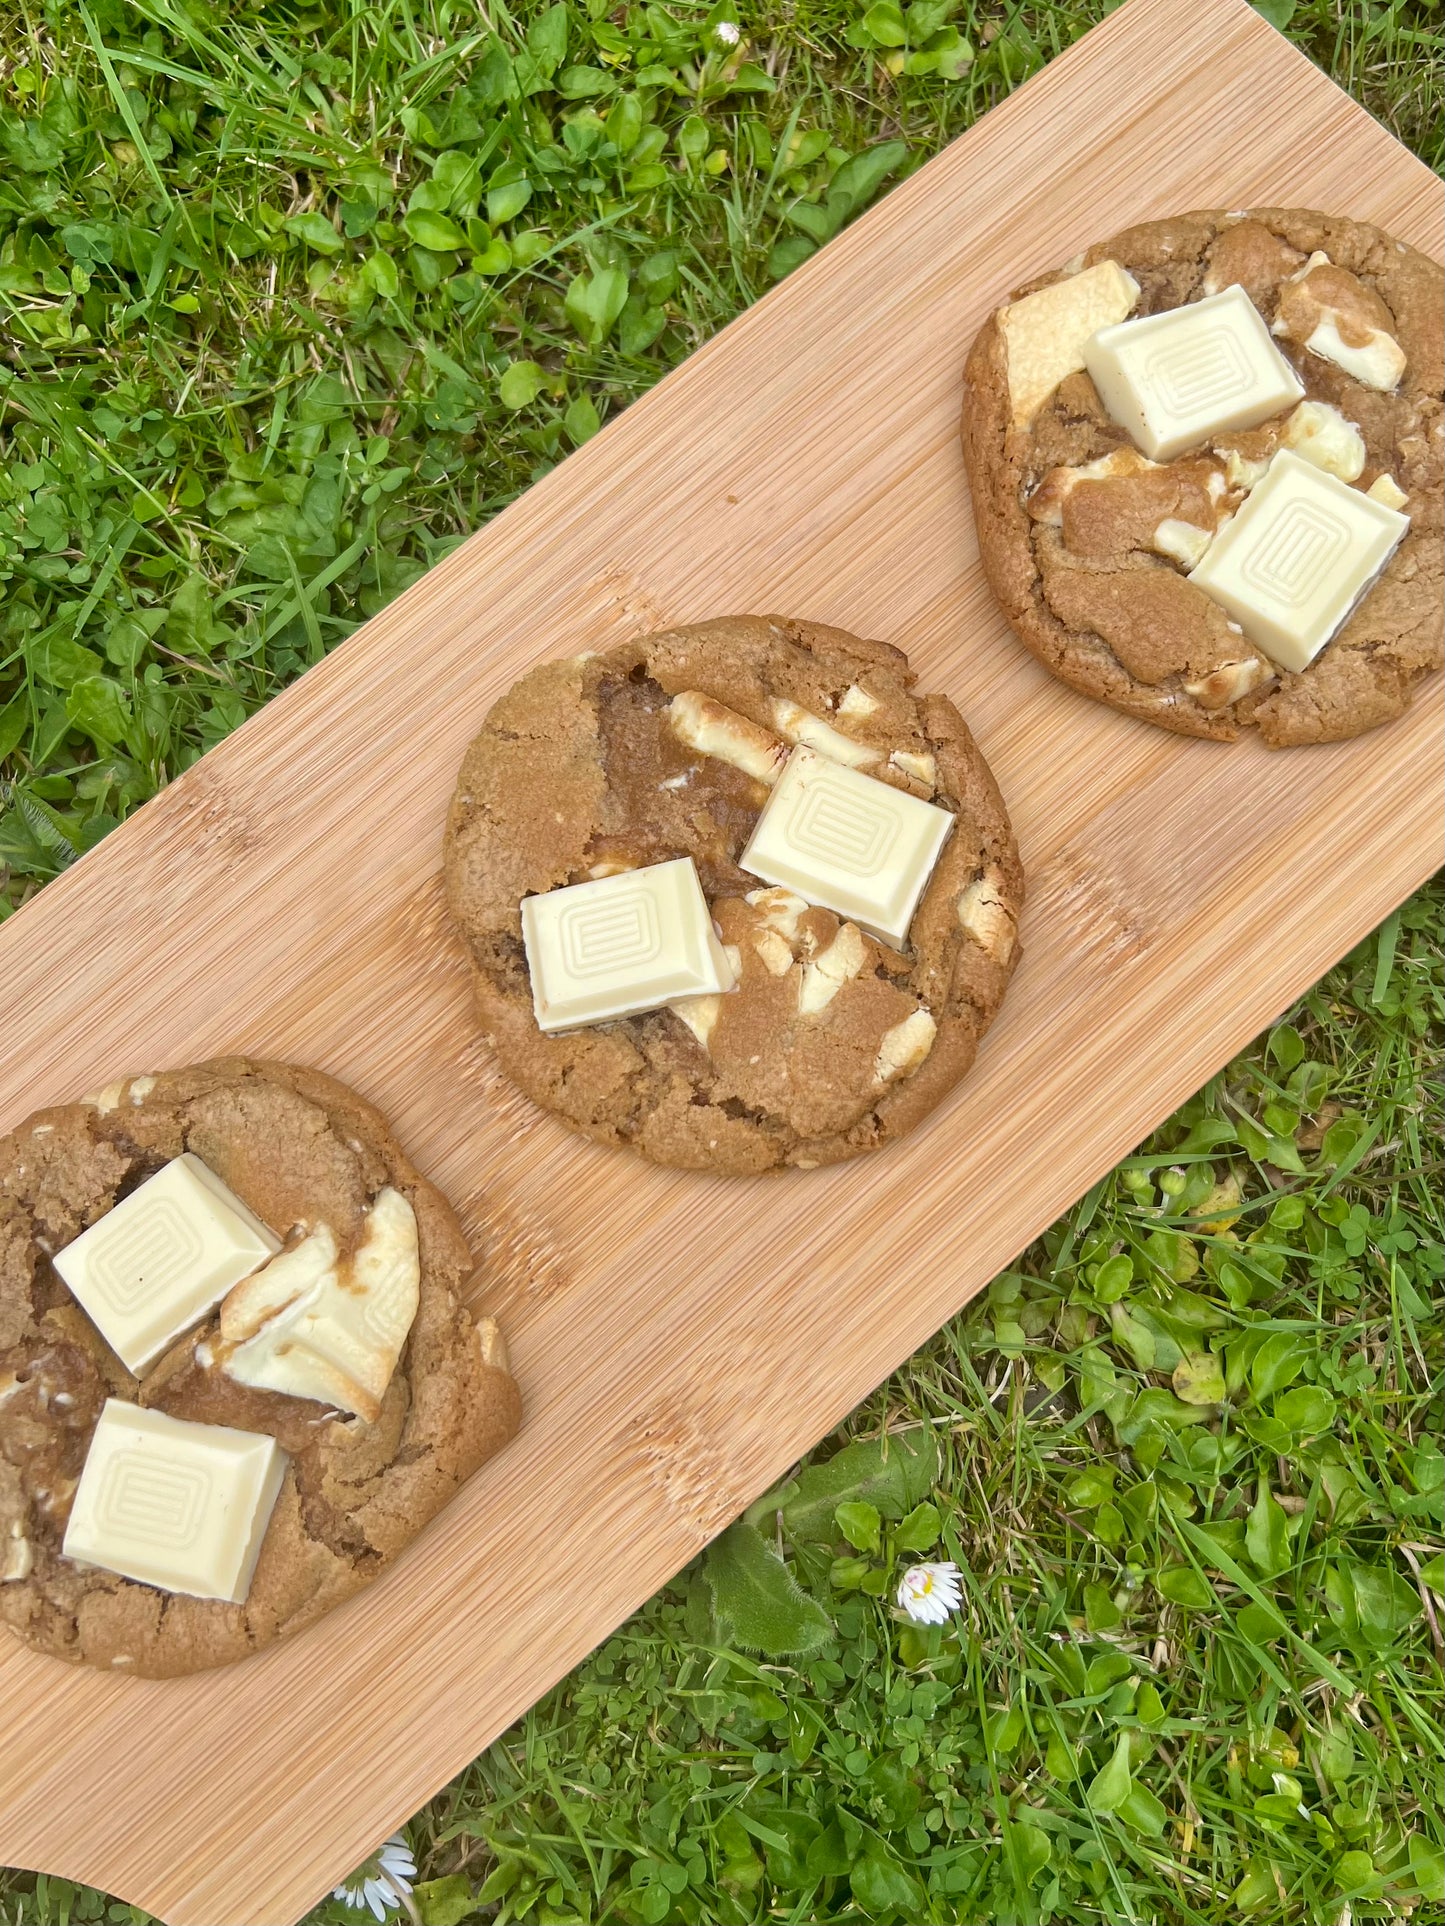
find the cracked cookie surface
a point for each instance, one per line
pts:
(832, 1043)
(1086, 544)
(296, 1147)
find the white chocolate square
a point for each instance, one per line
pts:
(1178, 378)
(849, 843)
(621, 945)
(1294, 562)
(151, 1267)
(179, 1505)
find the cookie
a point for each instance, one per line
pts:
(300, 1150)
(833, 1042)
(1087, 544)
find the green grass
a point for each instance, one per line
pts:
(291, 298)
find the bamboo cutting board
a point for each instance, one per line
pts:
(681, 1340)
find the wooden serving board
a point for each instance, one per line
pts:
(680, 1340)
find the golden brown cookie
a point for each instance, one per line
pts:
(588, 766)
(1091, 567)
(298, 1149)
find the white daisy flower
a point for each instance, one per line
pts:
(382, 1882)
(728, 32)
(930, 1592)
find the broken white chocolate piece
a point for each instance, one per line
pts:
(987, 918)
(856, 702)
(699, 1013)
(852, 844)
(1327, 438)
(312, 1325)
(1384, 488)
(1243, 471)
(609, 868)
(778, 909)
(1331, 313)
(621, 945)
(830, 969)
(1181, 541)
(918, 768)
(1046, 504)
(17, 1560)
(1296, 560)
(1045, 332)
(775, 950)
(107, 1099)
(801, 725)
(1229, 682)
(904, 1047)
(157, 1262)
(178, 1505)
(715, 730)
(1175, 378)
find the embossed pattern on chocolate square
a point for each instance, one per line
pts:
(620, 945)
(1176, 378)
(170, 1503)
(162, 1257)
(848, 831)
(848, 842)
(611, 934)
(141, 1255)
(1296, 559)
(153, 1504)
(1197, 374)
(1304, 542)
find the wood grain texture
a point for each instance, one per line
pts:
(680, 1341)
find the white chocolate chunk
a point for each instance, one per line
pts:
(178, 1505)
(800, 725)
(1045, 332)
(699, 1013)
(1046, 504)
(778, 909)
(1229, 681)
(1181, 541)
(1295, 561)
(1240, 471)
(107, 1099)
(1384, 488)
(904, 1047)
(17, 1560)
(715, 730)
(856, 702)
(1378, 364)
(830, 969)
(917, 768)
(313, 1326)
(157, 1262)
(1174, 379)
(854, 845)
(775, 950)
(1377, 361)
(609, 868)
(987, 918)
(621, 945)
(1327, 438)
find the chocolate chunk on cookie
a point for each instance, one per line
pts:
(384, 1396)
(1097, 552)
(832, 1041)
